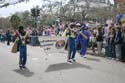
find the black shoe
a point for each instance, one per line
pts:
(24, 67)
(73, 60)
(20, 66)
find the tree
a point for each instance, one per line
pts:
(15, 21)
(101, 14)
(25, 18)
(4, 23)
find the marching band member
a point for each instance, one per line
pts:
(71, 43)
(22, 47)
(83, 37)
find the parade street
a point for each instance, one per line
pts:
(54, 68)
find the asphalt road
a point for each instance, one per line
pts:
(52, 68)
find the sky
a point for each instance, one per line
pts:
(8, 11)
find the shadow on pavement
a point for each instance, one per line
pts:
(26, 72)
(65, 66)
(92, 59)
(95, 54)
(91, 53)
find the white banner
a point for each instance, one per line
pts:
(53, 44)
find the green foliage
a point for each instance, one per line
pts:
(26, 19)
(15, 21)
(4, 23)
(47, 20)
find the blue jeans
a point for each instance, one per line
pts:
(23, 55)
(72, 48)
(83, 47)
(118, 51)
(111, 50)
(123, 52)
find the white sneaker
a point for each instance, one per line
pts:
(69, 60)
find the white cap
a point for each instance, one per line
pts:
(78, 24)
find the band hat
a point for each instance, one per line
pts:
(78, 24)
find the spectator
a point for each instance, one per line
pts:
(93, 42)
(123, 44)
(99, 38)
(111, 47)
(118, 41)
(8, 36)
